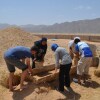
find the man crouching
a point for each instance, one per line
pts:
(13, 57)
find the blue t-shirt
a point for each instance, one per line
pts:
(20, 52)
(84, 49)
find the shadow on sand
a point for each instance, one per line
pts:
(21, 95)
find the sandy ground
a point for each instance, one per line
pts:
(47, 91)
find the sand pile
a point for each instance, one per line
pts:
(11, 37)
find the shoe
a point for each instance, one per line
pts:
(69, 89)
(75, 80)
(60, 90)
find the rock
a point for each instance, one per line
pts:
(45, 77)
(93, 48)
(97, 72)
(39, 64)
(49, 76)
(95, 62)
(43, 69)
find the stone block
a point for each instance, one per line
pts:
(95, 62)
(49, 76)
(43, 69)
(97, 72)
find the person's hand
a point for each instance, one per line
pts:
(55, 71)
(42, 60)
(30, 70)
(34, 60)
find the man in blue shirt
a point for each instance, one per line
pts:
(16, 57)
(82, 49)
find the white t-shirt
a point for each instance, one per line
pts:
(72, 45)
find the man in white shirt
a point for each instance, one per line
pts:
(71, 46)
(84, 63)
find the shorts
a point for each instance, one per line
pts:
(11, 62)
(83, 65)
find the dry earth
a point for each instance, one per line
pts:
(46, 91)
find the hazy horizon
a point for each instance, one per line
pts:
(49, 24)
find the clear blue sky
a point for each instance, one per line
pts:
(47, 12)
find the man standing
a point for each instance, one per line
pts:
(42, 49)
(82, 49)
(13, 57)
(65, 65)
(71, 46)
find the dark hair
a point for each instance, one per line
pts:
(44, 39)
(76, 41)
(34, 48)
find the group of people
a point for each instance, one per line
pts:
(19, 56)
(79, 51)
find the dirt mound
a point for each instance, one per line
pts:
(13, 36)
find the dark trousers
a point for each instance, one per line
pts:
(64, 77)
(33, 64)
(38, 58)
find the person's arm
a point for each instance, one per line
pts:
(37, 44)
(28, 64)
(77, 54)
(56, 61)
(23, 60)
(45, 50)
(70, 44)
(56, 69)
(77, 51)
(71, 51)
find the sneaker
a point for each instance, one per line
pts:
(75, 80)
(69, 89)
(59, 90)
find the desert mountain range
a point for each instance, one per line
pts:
(81, 26)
